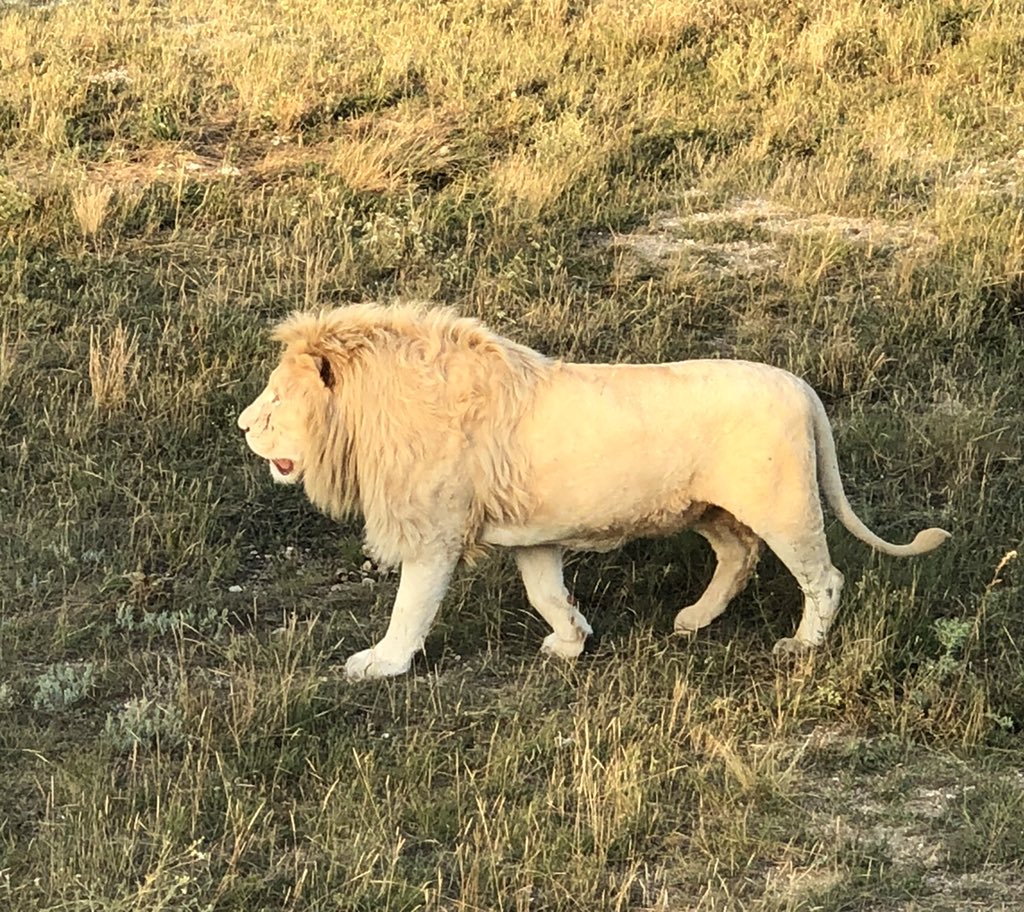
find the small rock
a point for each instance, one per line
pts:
(235, 588)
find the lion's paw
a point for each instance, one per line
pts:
(368, 664)
(792, 646)
(690, 620)
(564, 649)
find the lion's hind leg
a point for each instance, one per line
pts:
(541, 569)
(737, 550)
(808, 560)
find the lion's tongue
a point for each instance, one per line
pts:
(284, 466)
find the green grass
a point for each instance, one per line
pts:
(834, 188)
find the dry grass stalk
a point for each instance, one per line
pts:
(8, 357)
(111, 367)
(90, 205)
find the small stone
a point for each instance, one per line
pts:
(235, 588)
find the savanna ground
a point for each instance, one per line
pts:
(832, 187)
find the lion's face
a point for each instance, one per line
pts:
(277, 424)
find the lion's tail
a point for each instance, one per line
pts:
(832, 487)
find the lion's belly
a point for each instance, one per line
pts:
(596, 537)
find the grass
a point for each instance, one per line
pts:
(835, 188)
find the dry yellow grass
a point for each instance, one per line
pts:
(8, 357)
(90, 205)
(112, 367)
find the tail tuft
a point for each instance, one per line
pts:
(928, 540)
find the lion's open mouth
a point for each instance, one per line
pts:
(283, 466)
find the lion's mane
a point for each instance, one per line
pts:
(423, 404)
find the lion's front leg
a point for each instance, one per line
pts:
(541, 569)
(422, 586)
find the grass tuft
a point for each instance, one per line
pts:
(90, 205)
(112, 367)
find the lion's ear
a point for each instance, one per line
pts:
(326, 371)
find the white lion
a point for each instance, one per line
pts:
(448, 438)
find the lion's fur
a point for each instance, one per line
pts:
(424, 404)
(448, 438)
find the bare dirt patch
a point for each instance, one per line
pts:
(672, 239)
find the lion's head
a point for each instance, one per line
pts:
(279, 422)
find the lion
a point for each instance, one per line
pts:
(448, 439)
